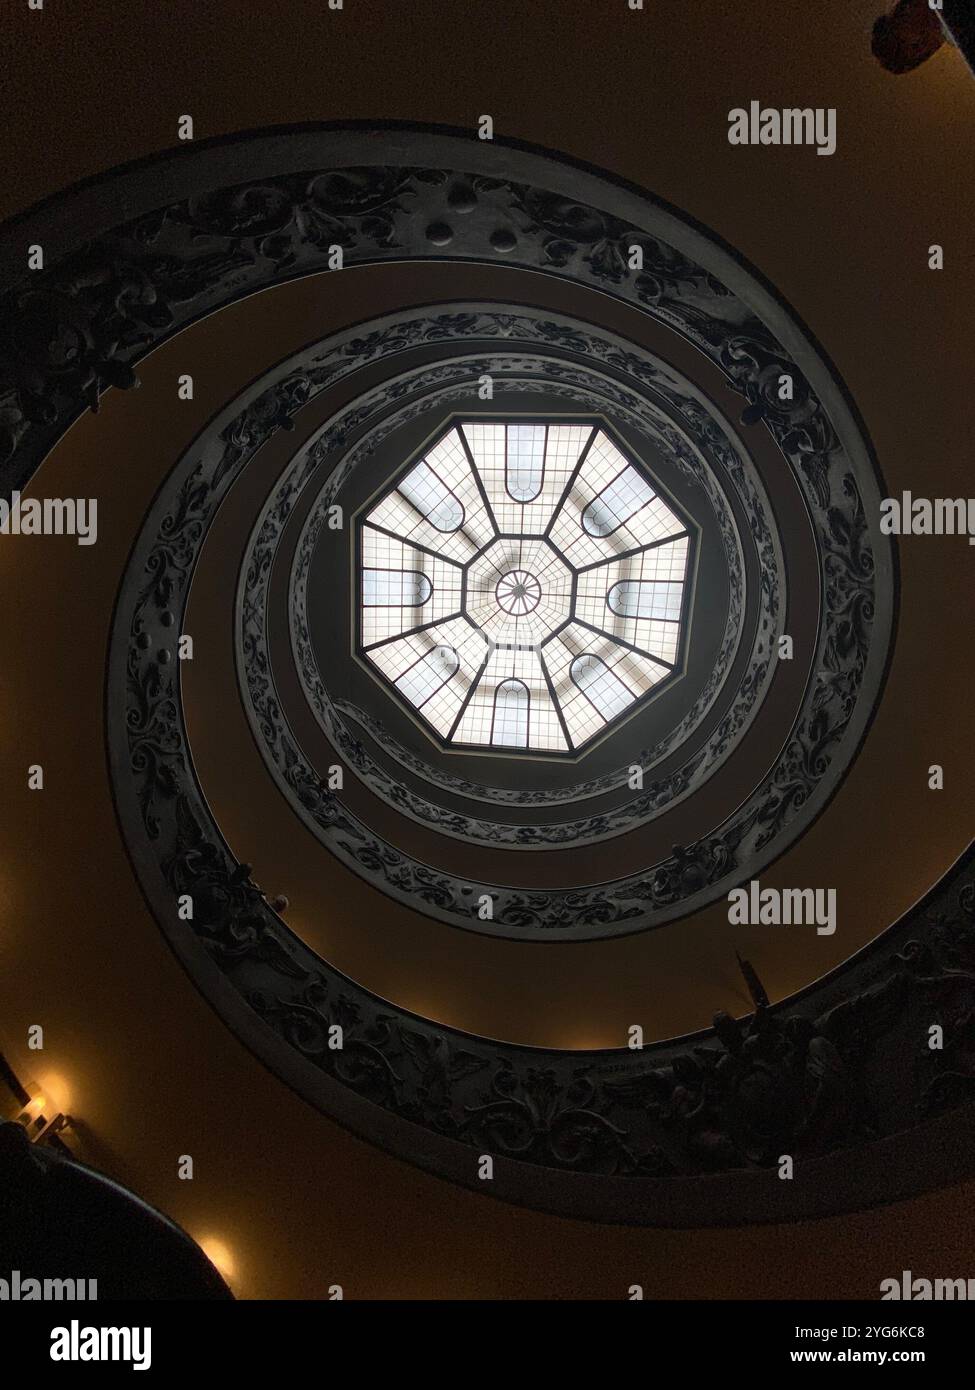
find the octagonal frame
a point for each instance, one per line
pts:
(685, 622)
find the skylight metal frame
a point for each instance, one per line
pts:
(596, 427)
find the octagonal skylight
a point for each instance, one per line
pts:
(522, 585)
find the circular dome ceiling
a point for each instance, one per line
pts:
(478, 631)
(523, 585)
(683, 712)
(729, 743)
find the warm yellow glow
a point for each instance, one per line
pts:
(34, 1108)
(219, 1255)
(57, 1091)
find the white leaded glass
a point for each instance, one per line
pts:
(426, 676)
(432, 498)
(601, 686)
(512, 702)
(394, 588)
(525, 464)
(523, 585)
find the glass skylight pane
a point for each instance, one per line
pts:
(511, 704)
(522, 586)
(425, 678)
(526, 461)
(636, 598)
(432, 498)
(395, 589)
(490, 443)
(601, 686)
(624, 496)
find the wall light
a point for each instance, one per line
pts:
(219, 1256)
(37, 1124)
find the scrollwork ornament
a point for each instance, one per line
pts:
(628, 1128)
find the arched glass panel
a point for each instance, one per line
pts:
(509, 725)
(638, 598)
(618, 501)
(428, 675)
(395, 588)
(525, 461)
(433, 498)
(602, 687)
